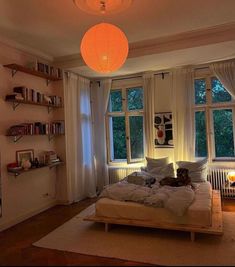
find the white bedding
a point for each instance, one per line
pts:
(175, 199)
(198, 213)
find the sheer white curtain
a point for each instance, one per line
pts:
(183, 116)
(148, 84)
(225, 72)
(100, 98)
(79, 147)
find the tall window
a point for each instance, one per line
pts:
(214, 120)
(125, 125)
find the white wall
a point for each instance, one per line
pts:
(163, 103)
(23, 196)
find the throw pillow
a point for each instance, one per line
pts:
(164, 171)
(197, 170)
(153, 163)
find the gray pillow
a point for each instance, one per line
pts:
(154, 163)
(164, 171)
(197, 170)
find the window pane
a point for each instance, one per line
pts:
(136, 137)
(118, 133)
(223, 131)
(200, 139)
(200, 91)
(219, 93)
(115, 101)
(135, 98)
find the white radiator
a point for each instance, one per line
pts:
(218, 180)
(118, 173)
(216, 176)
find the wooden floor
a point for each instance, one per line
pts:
(16, 243)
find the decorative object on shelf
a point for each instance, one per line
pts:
(23, 156)
(231, 178)
(47, 99)
(35, 163)
(163, 130)
(13, 167)
(50, 157)
(26, 164)
(104, 46)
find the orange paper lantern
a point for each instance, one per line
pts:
(104, 48)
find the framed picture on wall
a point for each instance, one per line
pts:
(163, 130)
(27, 154)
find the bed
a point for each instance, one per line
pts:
(204, 215)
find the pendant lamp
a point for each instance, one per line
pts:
(104, 47)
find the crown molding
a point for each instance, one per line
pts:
(26, 49)
(190, 39)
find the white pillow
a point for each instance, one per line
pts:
(153, 163)
(164, 171)
(197, 170)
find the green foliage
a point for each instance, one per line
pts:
(119, 137)
(223, 130)
(200, 138)
(200, 91)
(135, 98)
(136, 137)
(134, 102)
(115, 101)
(219, 93)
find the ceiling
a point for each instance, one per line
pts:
(161, 33)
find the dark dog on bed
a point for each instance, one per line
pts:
(181, 180)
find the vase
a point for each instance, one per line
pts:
(26, 164)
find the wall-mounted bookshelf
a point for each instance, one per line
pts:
(22, 171)
(16, 103)
(16, 67)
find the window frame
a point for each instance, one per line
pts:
(123, 87)
(208, 107)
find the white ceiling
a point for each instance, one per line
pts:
(55, 28)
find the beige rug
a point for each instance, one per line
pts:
(159, 247)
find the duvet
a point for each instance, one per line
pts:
(175, 199)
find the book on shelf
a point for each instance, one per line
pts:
(37, 128)
(31, 95)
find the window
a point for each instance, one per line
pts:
(125, 125)
(214, 120)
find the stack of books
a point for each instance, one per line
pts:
(31, 95)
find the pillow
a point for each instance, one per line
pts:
(140, 178)
(164, 171)
(153, 163)
(197, 170)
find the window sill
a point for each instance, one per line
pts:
(224, 160)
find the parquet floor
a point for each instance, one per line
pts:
(16, 248)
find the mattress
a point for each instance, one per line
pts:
(198, 213)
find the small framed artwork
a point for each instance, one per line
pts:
(163, 130)
(27, 154)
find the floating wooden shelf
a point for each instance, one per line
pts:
(16, 103)
(18, 137)
(18, 172)
(15, 67)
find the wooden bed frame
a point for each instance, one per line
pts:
(216, 227)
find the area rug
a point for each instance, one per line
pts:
(144, 245)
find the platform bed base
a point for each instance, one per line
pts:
(216, 227)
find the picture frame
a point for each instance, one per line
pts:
(26, 154)
(163, 125)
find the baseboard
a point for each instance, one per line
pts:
(26, 216)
